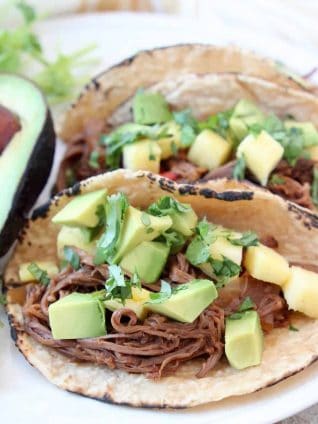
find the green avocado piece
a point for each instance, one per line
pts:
(136, 304)
(27, 143)
(244, 115)
(150, 108)
(77, 316)
(81, 211)
(139, 226)
(74, 237)
(188, 301)
(184, 222)
(147, 260)
(244, 340)
(309, 131)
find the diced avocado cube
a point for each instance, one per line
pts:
(77, 316)
(301, 291)
(209, 150)
(261, 154)
(244, 340)
(139, 226)
(48, 266)
(73, 237)
(309, 131)
(144, 155)
(245, 114)
(184, 222)
(150, 108)
(136, 304)
(172, 142)
(188, 301)
(81, 211)
(265, 264)
(147, 260)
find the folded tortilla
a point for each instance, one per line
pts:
(235, 74)
(229, 203)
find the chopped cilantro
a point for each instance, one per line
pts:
(174, 148)
(72, 257)
(173, 239)
(197, 252)
(249, 238)
(189, 126)
(94, 160)
(239, 169)
(314, 187)
(28, 12)
(167, 206)
(164, 294)
(276, 179)
(224, 269)
(151, 156)
(246, 305)
(116, 207)
(292, 328)
(117, 286)
(39, 274)
(91, 233)
(219, 123)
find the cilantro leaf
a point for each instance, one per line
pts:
(93, 161)
(314, 187)
(39, 274)
(116, 208)
(167, 206)
(72, 257)
(189, 126)
(246, 305)
(276, 179)
(248, 238)
(164, 294)
(219, 123)
(197, 252)
(173, 239)
(239, 169)
(27, 11)
(292, 328)
(117, 286)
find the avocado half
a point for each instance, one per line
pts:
(27, 145)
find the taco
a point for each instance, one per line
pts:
(205, 113)
(190, 295)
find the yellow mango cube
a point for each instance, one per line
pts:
(172, 142)
(73, 237)
(261, 154)
(209, 150)
(26, 276)
(143, 155)
(301, 291)
(265, 264)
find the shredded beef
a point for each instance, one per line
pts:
(292, 190)
(302, 171)
(225, 171)
(157, 346)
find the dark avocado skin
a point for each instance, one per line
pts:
(31, 184)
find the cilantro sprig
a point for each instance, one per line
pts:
(246, 305)
(119, 287)
(72, 257)
(167, 206)
(39, 274)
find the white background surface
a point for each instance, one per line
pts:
(25, 397)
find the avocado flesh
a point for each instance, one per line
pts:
(147, 260)
(77, 316)
(187, 303)
(26, 160)
(309, 131)
(81, 211)
(244, 340)
(184, 222)
(150, 108)
(244, 115)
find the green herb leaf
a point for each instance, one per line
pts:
(276, 180)
(39, 274)
(249, 238)
(292, 328)
(224, 269)
(116, 207)
(164, 294)
(197, 252)
(117, 286)
(189, 126)
(94, 159)
(173, 239)
(219, 123)
(314, 187)
(239, 169)
(27, 11)
(167, 206)
(72, 257)
(246, 305)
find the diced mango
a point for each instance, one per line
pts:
(209, 150)
(26, 276)
(261, 154)
(265, 264)
(136, 304)
(301, 291)
(313, 151)
(172, 142)
(143, 155)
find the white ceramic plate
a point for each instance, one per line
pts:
(25, 396)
